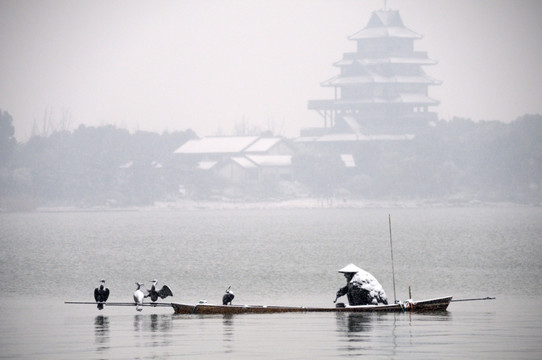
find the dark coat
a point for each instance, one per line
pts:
(356, 294)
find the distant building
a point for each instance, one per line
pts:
(238, 159)
(381, 92)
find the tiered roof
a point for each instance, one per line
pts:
(387, 67)
(382, 79)
(385, 24)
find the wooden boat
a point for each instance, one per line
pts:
(437, 304)
(430, 305)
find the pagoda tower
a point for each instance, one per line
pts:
(382, 88)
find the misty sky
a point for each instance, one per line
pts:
(208, 64)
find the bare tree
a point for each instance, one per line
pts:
(244, 128)
(49, 124)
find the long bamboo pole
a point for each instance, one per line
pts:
(392, 266)
(475, 299)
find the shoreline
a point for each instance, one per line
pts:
(306, 203)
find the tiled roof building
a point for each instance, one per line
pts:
(238, 159)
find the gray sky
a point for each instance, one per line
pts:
(208, 64)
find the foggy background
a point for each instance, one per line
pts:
(96, 96)
(115, 87)
(206, 65)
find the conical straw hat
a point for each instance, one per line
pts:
(350, 268)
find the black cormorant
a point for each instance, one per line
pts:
(164, 292)
(228, 296)
(101, 294)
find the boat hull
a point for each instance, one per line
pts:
(437, 304)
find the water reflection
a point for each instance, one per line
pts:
(158, 326)
(101, 333)
(153, 322)
(355, 330)
(227, 322)
(353, 323)
(362, 333)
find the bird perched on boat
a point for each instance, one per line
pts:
(101, 294)
(228, 296)
(164, 292)
(139, 295)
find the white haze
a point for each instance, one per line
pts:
(207, 65)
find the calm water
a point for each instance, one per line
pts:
(287, 257)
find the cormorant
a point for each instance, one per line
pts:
(164, 292)
(228, 296)
(139, 295)
(101, 294)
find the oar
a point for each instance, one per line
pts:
(475, 299)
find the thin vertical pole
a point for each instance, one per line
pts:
(392, 266)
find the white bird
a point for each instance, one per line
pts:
(139, 295)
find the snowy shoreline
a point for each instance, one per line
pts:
(306, 203)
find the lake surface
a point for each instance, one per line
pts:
(271, 257)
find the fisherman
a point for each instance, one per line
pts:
(361, 287)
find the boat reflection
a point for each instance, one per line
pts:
(361, 333)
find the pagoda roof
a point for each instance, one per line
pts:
(349, 137)
(404, 98)
(385, 24)
(387, 60)
(373, 78)
(416, 99)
